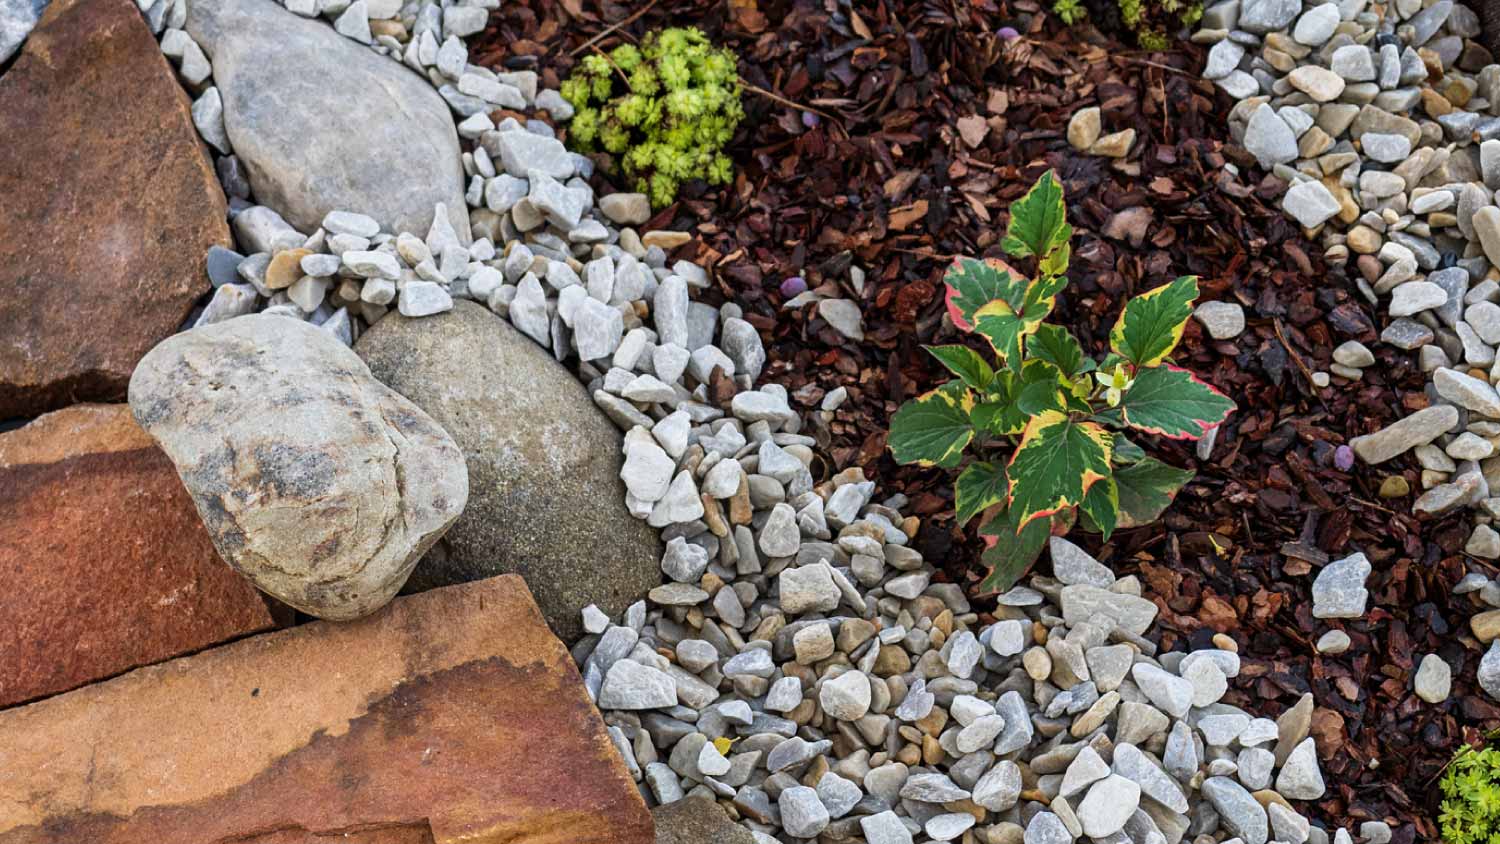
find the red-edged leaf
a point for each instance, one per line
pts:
(932, 429)
(1056, 462)
(1146, 487)
(971, 284)
(1173, 402)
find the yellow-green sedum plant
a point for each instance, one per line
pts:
(1152, 21)
(1471, 797)
(1048, 424)
(665, 109)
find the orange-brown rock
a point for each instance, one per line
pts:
(110, 207)
(106, 564)
(450, 716)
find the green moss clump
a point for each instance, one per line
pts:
(1152, 21)
(665, 109)
(1470, 812)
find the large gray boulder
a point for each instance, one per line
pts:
(545, 495)
(317, 482)
(322, 123)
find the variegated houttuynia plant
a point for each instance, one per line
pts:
(1048, 425)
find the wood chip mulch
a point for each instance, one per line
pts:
(894, 138)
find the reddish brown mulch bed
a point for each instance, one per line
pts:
(872, 170)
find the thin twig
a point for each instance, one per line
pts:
(771, 95)
(1154, 64)
(618, 69)
(612, 27)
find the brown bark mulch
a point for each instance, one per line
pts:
(893, 138)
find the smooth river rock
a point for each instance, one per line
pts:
(322, 123)
(546, 499)
(317, 482)
(108, 212)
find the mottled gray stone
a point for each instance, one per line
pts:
(323, 124)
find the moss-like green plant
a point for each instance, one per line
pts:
(1470, 812)
(666, 109)
(1152, 21)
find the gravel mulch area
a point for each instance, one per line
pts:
(893, 140)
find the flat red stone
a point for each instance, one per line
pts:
(449, 717)
(110, 206)
(106, 564)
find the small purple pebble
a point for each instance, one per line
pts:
(793, 286)
(810, 120)
(1008, 33)
(1343, 458)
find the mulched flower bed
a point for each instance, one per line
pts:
(912, 131)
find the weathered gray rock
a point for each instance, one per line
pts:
(1339, 590)
(544, 462)
(322, 123)
(1395, 439)
(1241, 813)
(315, 481)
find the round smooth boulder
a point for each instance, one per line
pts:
(546, 501)
(317, 482)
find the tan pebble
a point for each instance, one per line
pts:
(1039, 633)
(910, 526)
(933, 722)
(1435, 104)
(1114, 145)
(968, 807)
(393, 28)
(665, 239)
(1003, 833)
(713, 516)
(1266, 797)
(802, 713)
(1364, 240)
(854, 632)
(1038, 664)
(1486, 626)
(893, 659)
(1394, 486)
(285, 268)
(909, 755)
(710, 583)
(944, 622)
(1084, 128)
(1226, 643)
(741, 511)
(815, 771)
(932, 752)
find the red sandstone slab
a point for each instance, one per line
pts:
(446, 717)
(110, 205)
(106, 564)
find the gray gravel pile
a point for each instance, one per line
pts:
(798, 663)
(1385, 120)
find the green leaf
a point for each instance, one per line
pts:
(1146, 487)
(999, 417)
(1055, 464)
(970, 285)
(1172, 402)
(932, 429)
(1152, 323)
(1101, 507)
(980, 486)
(1055, 264)
(1000, 324)
(1125, 451)
(1038, 220)
(1011, 549)
(1039, 397)
(965, 363)
(1055, 345)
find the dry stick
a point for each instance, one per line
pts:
(612, 27)
(771, 95)
(1154, 64)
